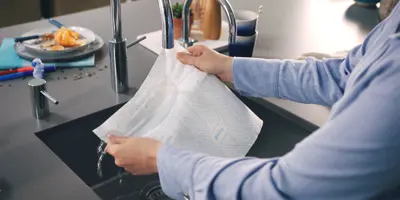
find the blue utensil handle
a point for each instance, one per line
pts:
(56, 23)
(13, 76)
(24, 74)
(21, 39)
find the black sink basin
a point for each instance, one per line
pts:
(76, 145)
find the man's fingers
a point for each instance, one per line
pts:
(119, 163)
(196, 50)
(112, 149)
(192, 57)
(114, 143)
(186, 58)
(113, 139)
(191, 49)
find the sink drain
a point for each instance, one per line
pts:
(153, 191)
(157, 195)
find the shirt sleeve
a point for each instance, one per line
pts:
(354, 156)
(310, 81)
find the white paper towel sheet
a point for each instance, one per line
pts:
(186, 108)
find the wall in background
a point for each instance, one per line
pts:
(63, 7)
(21, 11)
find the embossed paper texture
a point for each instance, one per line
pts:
(186, 108)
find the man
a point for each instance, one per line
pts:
(355, 155)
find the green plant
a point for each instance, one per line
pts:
(177, 10)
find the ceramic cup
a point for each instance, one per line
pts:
(244, 46)
(367, 3)
(246, 21)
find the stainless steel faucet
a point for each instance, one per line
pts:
(230, 15)
(39, 98)
(118, 46)
(117, 51)
(167, 23)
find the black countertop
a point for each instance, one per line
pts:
(32, 171)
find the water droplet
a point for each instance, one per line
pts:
(121, 170)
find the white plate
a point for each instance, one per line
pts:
(34, 46)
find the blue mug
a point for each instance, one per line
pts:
(244, 46)
(246, 22)
(367, 2)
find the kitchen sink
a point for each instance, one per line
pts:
(76, 145)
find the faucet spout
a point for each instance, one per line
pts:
(117, 51)
(116, 19)
(117, 45)
(230, 15)
(167, 24)
(186, 24)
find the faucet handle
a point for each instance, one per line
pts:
(39, 98)
(49, 97)
(186, 197)
(135, 42)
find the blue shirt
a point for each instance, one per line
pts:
(355, 155)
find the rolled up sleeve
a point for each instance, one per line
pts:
(305, 81)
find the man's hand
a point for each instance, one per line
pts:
(209, 61)
(136, 155)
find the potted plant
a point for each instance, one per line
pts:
(177, 9)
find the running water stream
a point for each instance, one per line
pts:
(101, 152)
